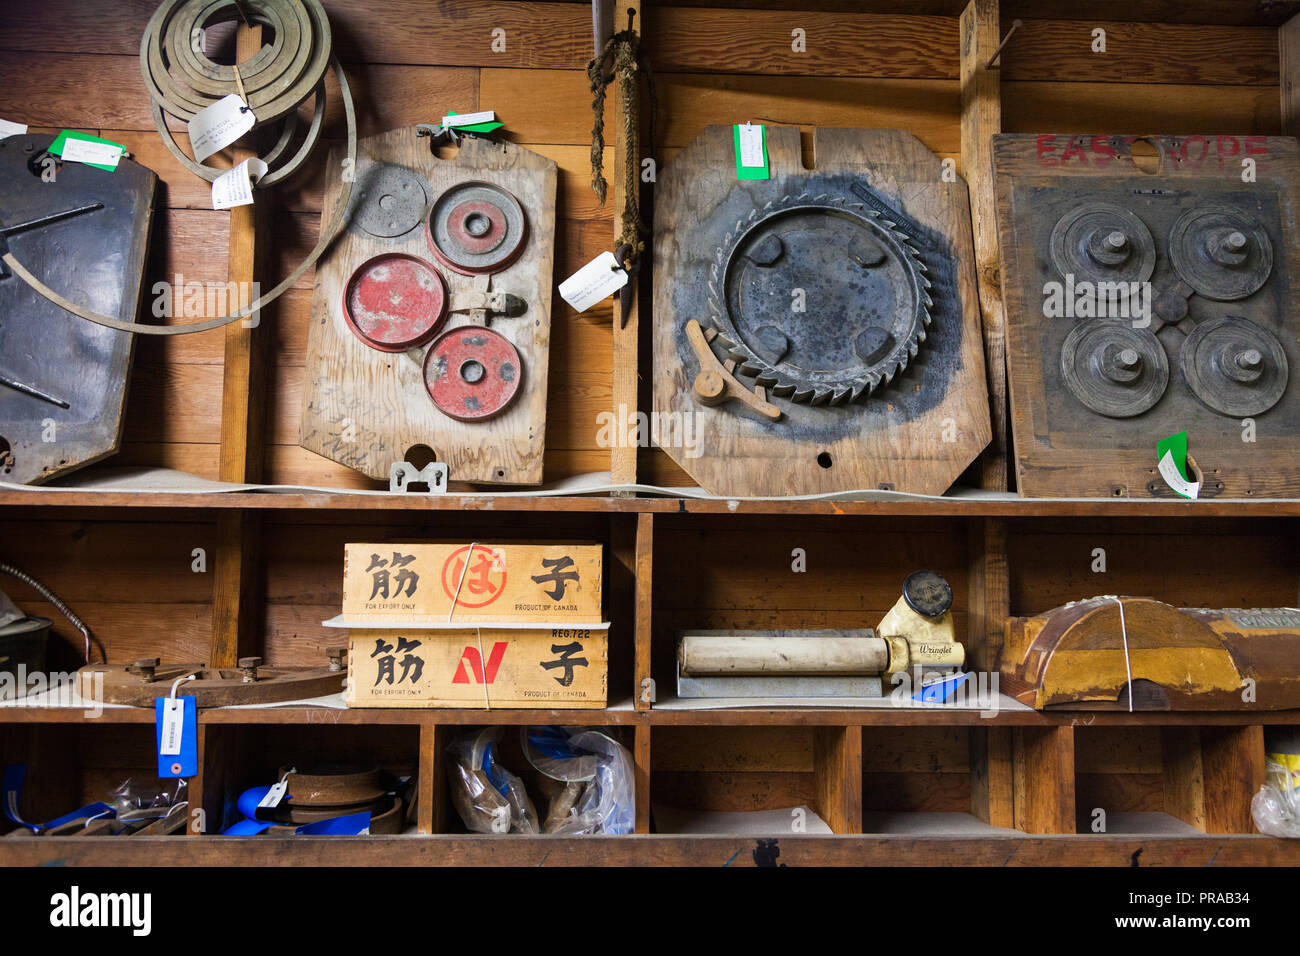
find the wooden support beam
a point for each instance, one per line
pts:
(981, 118)
(837, 777)
(1211, 774)
(1043, 762)
(431, 786)
(644, 687)
(1288, 51)
(243, 415)
(989, 593)
(627, 335)
(991, 788)
(641, 765)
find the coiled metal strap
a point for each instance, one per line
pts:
(182, 81)
(53, 598)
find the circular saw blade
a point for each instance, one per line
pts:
(1114, 369)
(1234, 366)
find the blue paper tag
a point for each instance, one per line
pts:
(177, 733)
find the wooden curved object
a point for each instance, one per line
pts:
(211, 687)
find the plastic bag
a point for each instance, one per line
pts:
(1276, 808)
(488, 797)
(595, 772)
(136, 800)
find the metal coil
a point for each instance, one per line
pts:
(53, 598)
(279, 78)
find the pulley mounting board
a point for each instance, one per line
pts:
(97, 259)
(1146, 298)
(365, 407)
(838, 304)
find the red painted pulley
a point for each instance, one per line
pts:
(476, 228)
(395, 302)
(472, 373)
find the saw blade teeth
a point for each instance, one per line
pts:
(839, 395)
(858, 391)
(782, 390)
(802, 395)
(765, 378)
(920, 334)
(724, 339)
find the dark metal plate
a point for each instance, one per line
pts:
(1100, 242)
(389, 201)
(1114, 369)
(1221, 252)
(1234, 366)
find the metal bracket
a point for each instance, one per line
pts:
(482, 304)
(402, 475)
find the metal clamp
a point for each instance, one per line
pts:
(402, 475)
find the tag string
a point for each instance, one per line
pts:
(176, 683)
(1128, 670)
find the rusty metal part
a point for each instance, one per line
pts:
(334, 785)
(1234, 366)
(389, 201)
(1100, 242)
(1222, 252)
(395, 302)
(290, 67)
(819, 299)
(248, 668)
(1114, 369)
(715, 382)
(476, 227)
(336, 656)
(472, 373)
(212, 687)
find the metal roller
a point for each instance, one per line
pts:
(706, 655)
(472, 373)
(476, 228)
(1114, 369)
(1098, 242)
(1221, 252)
(1234, 366)
(395, 302)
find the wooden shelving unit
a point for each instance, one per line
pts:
(897, 785)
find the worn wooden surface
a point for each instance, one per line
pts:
(367, 409)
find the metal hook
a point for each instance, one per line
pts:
(1015, 25)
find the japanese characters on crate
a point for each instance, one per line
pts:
(474, 625)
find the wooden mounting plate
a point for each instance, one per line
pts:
(877, 444)
(212, 687)
(365, 408)
(1062, 454)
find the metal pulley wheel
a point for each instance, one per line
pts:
(389, 201)
(1098, 242)
(472, 373)
(1234, 366)
(1114, 369)
(865, 295)
(182, 81)
(1221, 252)
(395, 302)
(476, 227)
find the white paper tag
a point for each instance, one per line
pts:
(469, 119)
(173, 720)
(215, 127)
(1169, 471)
(11, 129)
(600, 277)
(275, 794)
(751, 145)
(235, 188)
(84, 151)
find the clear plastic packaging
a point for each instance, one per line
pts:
(137, 800)
(594, 779)
(488, 797)
(1276, 808)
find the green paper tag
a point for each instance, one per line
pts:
(61, 141)
(477, 127)
(1171, 455)
(751, 152)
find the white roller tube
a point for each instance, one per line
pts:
(703, 656)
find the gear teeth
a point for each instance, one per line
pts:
(804, 396)
(839, 395)
(781, 390)
(858, 390)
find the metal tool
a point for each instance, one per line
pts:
(627, 295)
(32, 390)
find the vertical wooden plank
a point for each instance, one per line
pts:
(430, 790)
(641, 764)
(1288, 51)
(981, 118)
(243, 416)
(644, 608)
(1232, 762)
(1044, 778)
(989, 592)
(1184, 797)
(627, 334)
(837, 777)
(991, 794)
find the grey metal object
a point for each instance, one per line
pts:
(389, 201)
(1234, 366)
(1100, 242)
(927, 593)
(819, 298)
(1222, 252)
(403, 474)
(1114, 369)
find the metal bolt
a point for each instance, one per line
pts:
(336, 657)
(1129, 358)
(1116, 240)
(1236, 241)
(146, 667)
(249, 666)
(1250, 359)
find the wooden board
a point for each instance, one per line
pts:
(366, 409)
(919, 433)
(1062, 448)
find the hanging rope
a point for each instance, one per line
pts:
(622, 60)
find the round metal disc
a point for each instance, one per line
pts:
(472, 373)
(390, 201)
(395, 302)
(1114, 369)
(476, 228)
(1098, 242)
(1234, 366)
(1221, 252)
(927, 593)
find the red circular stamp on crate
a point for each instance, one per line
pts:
(477, 584)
